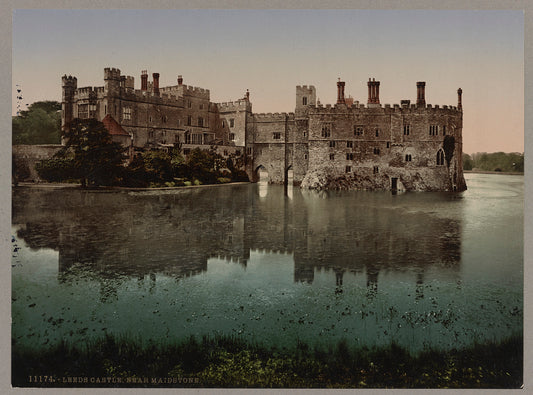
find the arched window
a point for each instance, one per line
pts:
(440, 158)
(408, 158)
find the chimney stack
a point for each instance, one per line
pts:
(247, 95)
(421, 93)
(460, 99)
(144, 80)
(180, 80)
(373, 91)
(340, 91)
(156, 83)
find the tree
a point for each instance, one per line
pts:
(40, 124)
(468, 163)
(96, 159)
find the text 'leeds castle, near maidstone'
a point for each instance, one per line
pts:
(346, 145)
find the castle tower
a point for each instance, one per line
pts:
(460, 99)
(69, 85)
(305, 96)
(340, 91)
(421, 93)
(180, 80)
(111, 82)
(373, 91)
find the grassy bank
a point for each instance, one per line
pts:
(228, 362)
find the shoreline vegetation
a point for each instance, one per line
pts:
(229, 362)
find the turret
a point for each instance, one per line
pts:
(69, 85)
(305, 96)
(111, 81)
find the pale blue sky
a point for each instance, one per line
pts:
(269, 52)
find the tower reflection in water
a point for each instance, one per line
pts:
(146, 234)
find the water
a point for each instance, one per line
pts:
(436, 270)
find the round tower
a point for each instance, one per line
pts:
(69, 85)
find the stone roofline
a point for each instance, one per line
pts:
(385, 107)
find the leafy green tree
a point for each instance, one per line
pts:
(201, 165)
(40, 124)
(96, 159)
(468, 163)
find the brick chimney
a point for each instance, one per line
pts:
(340, 91)
(373, 91)
(156, 83)
(247, 96)
(421, 93)
(460, 99)
(180, 80)
(144, 80)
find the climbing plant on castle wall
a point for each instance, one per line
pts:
(449, 147)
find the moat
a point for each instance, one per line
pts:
(265, 264)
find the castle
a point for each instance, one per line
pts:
(348, 145)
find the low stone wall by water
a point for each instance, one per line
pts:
(25, 157)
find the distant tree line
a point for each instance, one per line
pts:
(39, 124)
(92, 158)
(497, 161)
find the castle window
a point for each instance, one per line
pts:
(223, 124)
(150, 118)
(276, 135)
(408, 158)
(305, 156)
(349, 144)
(434, 130)
(225, 152)
(358, 130)
(305, 134)
(377, 132)
(331, 156)
(406, 130)
(187, 137)
(105, 109)
(200, 121)
(249, 151)
(444, 130)
(376, 151)
(348, 169)
(326, 131)
(388, 144)
(178, 123)
(189, 104)
(231, 122)
(232, 136)
(349, 156)
(376, 169)
(332, 143)
(83, 111)
(196, 138)
(440, 158)
(189, 120)
(201, 106)
(304, 101)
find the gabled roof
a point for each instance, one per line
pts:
(113, 127)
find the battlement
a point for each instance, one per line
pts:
(305, 87)
(240, 104)
(195, 91)
(111, 74)
(277, 116)
(387, 108)
(69, 81)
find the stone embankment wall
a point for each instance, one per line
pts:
(25, 157)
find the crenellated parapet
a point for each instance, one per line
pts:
(274, 117)
(384, 109)
(237, 105)
(111, 74)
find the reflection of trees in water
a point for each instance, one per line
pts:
(142, 234)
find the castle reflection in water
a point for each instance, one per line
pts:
(174, 233)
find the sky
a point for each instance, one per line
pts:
(269, 52)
